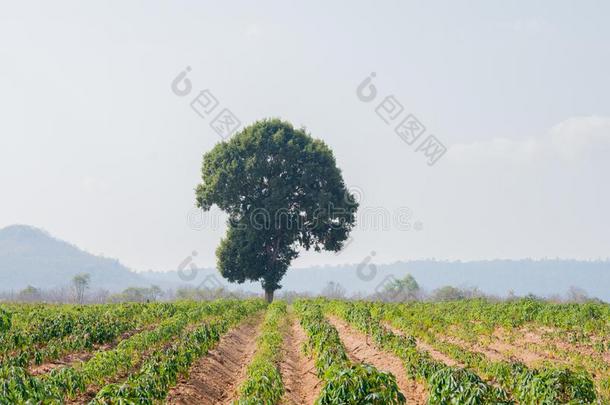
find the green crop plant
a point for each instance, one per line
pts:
(263, 384)
(344, 382)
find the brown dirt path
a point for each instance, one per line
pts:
(498, 347)
(423, 346)
(539, 345)
(215, 378)
(515, 350)
(488, 352)
(298, 372)
(69, 359)
(361, 349)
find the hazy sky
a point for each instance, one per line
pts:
(96, 148)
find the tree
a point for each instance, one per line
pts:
(448, 293)
(333, 290)
(80, 283)
(403, 289)
(576, 294)
(154, 293)
(99, 296)
(138, 294)
(282, 191)
(29, 293)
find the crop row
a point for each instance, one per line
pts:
(344, 382)
(47, 333)
(518, 382)
(558, 348)
(17, 386)
(526, 385)
(576, 321)
(263, 384)
(161, 369)
(37, 324)
(446, 385)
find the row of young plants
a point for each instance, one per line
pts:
(17, 386)
(344, 382)
(80, 331)
(67, 381)
(39, 323)
(160, 371)
(549, 384)
(593, 363)
(553, 346)
(518, 382)
(445, 384)
(578, 322)
(263, 383)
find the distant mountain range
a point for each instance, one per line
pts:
(543, 278)
(30, 256)
(498, 277)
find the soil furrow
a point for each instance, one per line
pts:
(489, 352)
(362, 350)
(215, 378)
(298, 372)
(516, 351)
(423, 346)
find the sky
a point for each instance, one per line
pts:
(97, 149)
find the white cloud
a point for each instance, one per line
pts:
(581, 137)
(574, 139)
(532, 196)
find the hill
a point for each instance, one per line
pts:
(30, 256)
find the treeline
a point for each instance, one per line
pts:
(81, 291)
(408, 289)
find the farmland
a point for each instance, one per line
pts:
(325, 351)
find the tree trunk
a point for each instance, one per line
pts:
(269, 296)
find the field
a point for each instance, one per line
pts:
(323, 351)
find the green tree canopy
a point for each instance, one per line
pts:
(282, 191)
(448, 293)
(406, 288)
(29, 293)
(81, 282)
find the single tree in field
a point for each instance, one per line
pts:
(282, 191)
(154, 292)
(80, 283)
(404, 289)
(30, 293)
(448, 293)
(333, 290)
